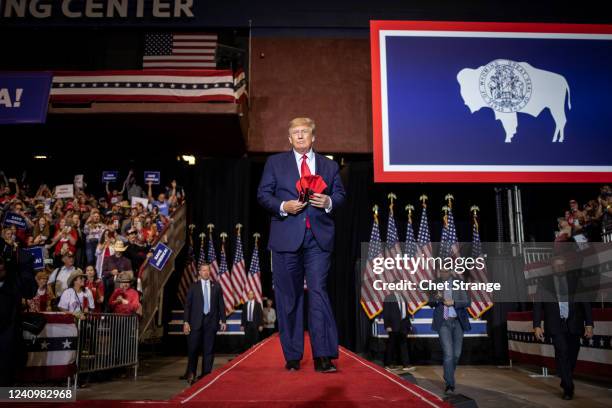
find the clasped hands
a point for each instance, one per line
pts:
(317, 200)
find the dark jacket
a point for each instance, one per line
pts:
(257, 315)
(392, 315)
(462, 301)
(194, 305)
(277, 184)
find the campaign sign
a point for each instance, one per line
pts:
(152, 176)
(160, 257)
(64, 191)
(24, 97)
(491, 102)
(110, 176)
(15, 219)
(38, 257)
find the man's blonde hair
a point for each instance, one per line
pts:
(295, 122)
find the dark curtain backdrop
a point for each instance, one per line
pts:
(222, 191)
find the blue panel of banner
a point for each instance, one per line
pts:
(24, 97)
(160, 257)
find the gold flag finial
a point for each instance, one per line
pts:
(239, 227)
(392, 197)
(449, 199)
(410, 209)
(210, 228)
(375, 210)
(423, 199)
(223, 235)
(256, 235)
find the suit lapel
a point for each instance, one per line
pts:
(292, 166)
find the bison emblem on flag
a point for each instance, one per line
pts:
(509, 87)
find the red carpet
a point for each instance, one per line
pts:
(257, 378)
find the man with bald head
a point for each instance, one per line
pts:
(301, 241)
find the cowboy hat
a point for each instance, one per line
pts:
(119, 246)
(125, 277)
(75, 274)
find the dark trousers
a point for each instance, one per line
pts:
(109, 288)
(289, 271)
(567, 346)
(397, 343)
(451, 340)
(251, 334)
(202, 340)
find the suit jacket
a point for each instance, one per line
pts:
(462, 301)
(393, 315)
(257, 315)
(194, 306)
(278, 184)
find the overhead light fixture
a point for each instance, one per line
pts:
(40, 157)
(330, 156)
(190, 159)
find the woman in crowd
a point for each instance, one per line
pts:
(41, 232)
(41, 302)
(63, 241)
(104, 250)
(96, 286)
(93, 231)
(77, 299)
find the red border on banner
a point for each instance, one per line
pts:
(380, 175)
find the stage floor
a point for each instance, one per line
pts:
(258, 378)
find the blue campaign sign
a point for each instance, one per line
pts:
(152, 176)
(160, 257)
(38, 255)
(110, 176)
(24, 97)
(491, 102)
(16, 220)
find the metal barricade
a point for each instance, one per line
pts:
(107, 341)
(536, 254)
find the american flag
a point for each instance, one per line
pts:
(179, 51)
(449, 244)
(393, 248)
(481, 300)
(254, 276)
(239, 278)
(190, 273)
(424, 245)
(226, 282)
(371, 299)
(416, 299)
(212, 258)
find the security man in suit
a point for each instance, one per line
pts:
(252, 320)
(451, 321)
(566, 320)
(398, 326)
(302, 240)
(204, 316)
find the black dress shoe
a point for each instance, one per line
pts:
(292, 365)
(191, 379)
(183, 377)
(568, 396)
(449, 390)
(324, 365)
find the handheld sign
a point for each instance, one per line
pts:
(38, 258)
(64, 191)
(110, 176)
(15, 219)
(152, 176)
(160, 257)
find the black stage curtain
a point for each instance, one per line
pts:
(224, 193)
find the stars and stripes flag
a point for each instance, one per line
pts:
(238, 276)
(212, 257)
(481, 300)
(190, 273)
(392, 247)
(180, 51)
(449, 243)
(254, 275)
(371, 299)
(226, 282)
(52, 353)
(416, 298)
(424, 244)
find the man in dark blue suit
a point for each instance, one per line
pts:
(301, 241)
(450, 320)
(204, 316)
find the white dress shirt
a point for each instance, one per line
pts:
(312, 165)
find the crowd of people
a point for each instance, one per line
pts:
(92, 246)
(587, 223)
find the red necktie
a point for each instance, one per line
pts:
(306, 172)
